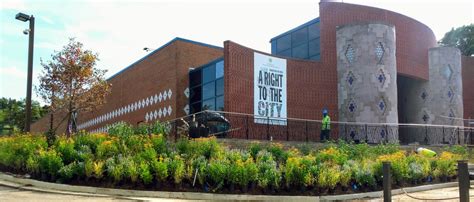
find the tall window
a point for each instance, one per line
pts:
(302, 42)
(206, 85)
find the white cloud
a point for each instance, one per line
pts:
(12, 72)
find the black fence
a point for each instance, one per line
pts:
(246, 126)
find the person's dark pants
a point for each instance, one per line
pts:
(325, 135)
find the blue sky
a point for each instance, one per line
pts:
(119, 30)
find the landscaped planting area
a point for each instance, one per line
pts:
(134, 159)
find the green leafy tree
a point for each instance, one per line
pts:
(462, 38)
(71, 83)
(12, 114)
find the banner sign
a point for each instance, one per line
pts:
(269, 89)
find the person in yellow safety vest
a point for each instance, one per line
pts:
(326, 126)
(426, 152)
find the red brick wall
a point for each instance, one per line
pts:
(467, 84)
(166, 69)
(413, 39)
(309, 90)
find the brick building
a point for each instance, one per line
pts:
(310, 68)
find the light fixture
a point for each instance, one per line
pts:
(31, 32)
(22, 17)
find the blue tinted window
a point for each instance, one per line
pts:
(316, 57)
(209, 104)
(220, 69)
(219, 87)
(308, 35)
(286, 53)
(299, 37)
(314, 47)
(313, 31)
(284, 43)
(209, 73)
(220, 103)
(301, 51)
(208, 90)
(206, 86)
(195, 78)
(196, 107)
(274, 46)
(195, 94)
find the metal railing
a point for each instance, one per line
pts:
(248, 126)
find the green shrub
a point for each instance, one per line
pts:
(145, 174)
(159, 144)
(142, 129)
(276, 149)
(364, 172)
(158, 128)
(135, 144)
(131, 168)
(419, 166)
(121, 130)
(445, 165)
(333, 155)
(107, 149)
(183, 145)
(148, 154)
(384, 149)
(251, 171)
(345, 175)
(355, 151)
(114, 169)
(15, 150)
(460, 150)
(177, 168)
(50, 163)
(90, 140)
(200, 164)
(84, 153)
(98, 167)
(268, 174)
(235, 172)
(65, 148)
(89, 168)
(329, 176)
(66, 173)
(32, 165)
(160, 169)
(254, 148)
(217, 172)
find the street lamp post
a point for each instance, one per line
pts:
(31, 32)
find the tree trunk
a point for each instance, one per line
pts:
(69, 120)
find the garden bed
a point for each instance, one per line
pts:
(129, 158)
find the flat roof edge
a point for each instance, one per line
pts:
(296, 28)
(160, 48)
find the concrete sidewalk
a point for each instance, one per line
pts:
(15, 192)
(17, 188)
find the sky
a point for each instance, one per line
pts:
(119, 30)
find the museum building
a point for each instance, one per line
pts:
(363, 64)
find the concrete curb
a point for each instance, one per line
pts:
(35, 185)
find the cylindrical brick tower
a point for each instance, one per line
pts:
(445, 84)
(367, 81)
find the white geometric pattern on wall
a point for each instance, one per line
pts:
(186, 92)
(153, 99)
(158, 113)
(186, 109)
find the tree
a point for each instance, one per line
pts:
(462, 38)
(71, 83)
(12, 114)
